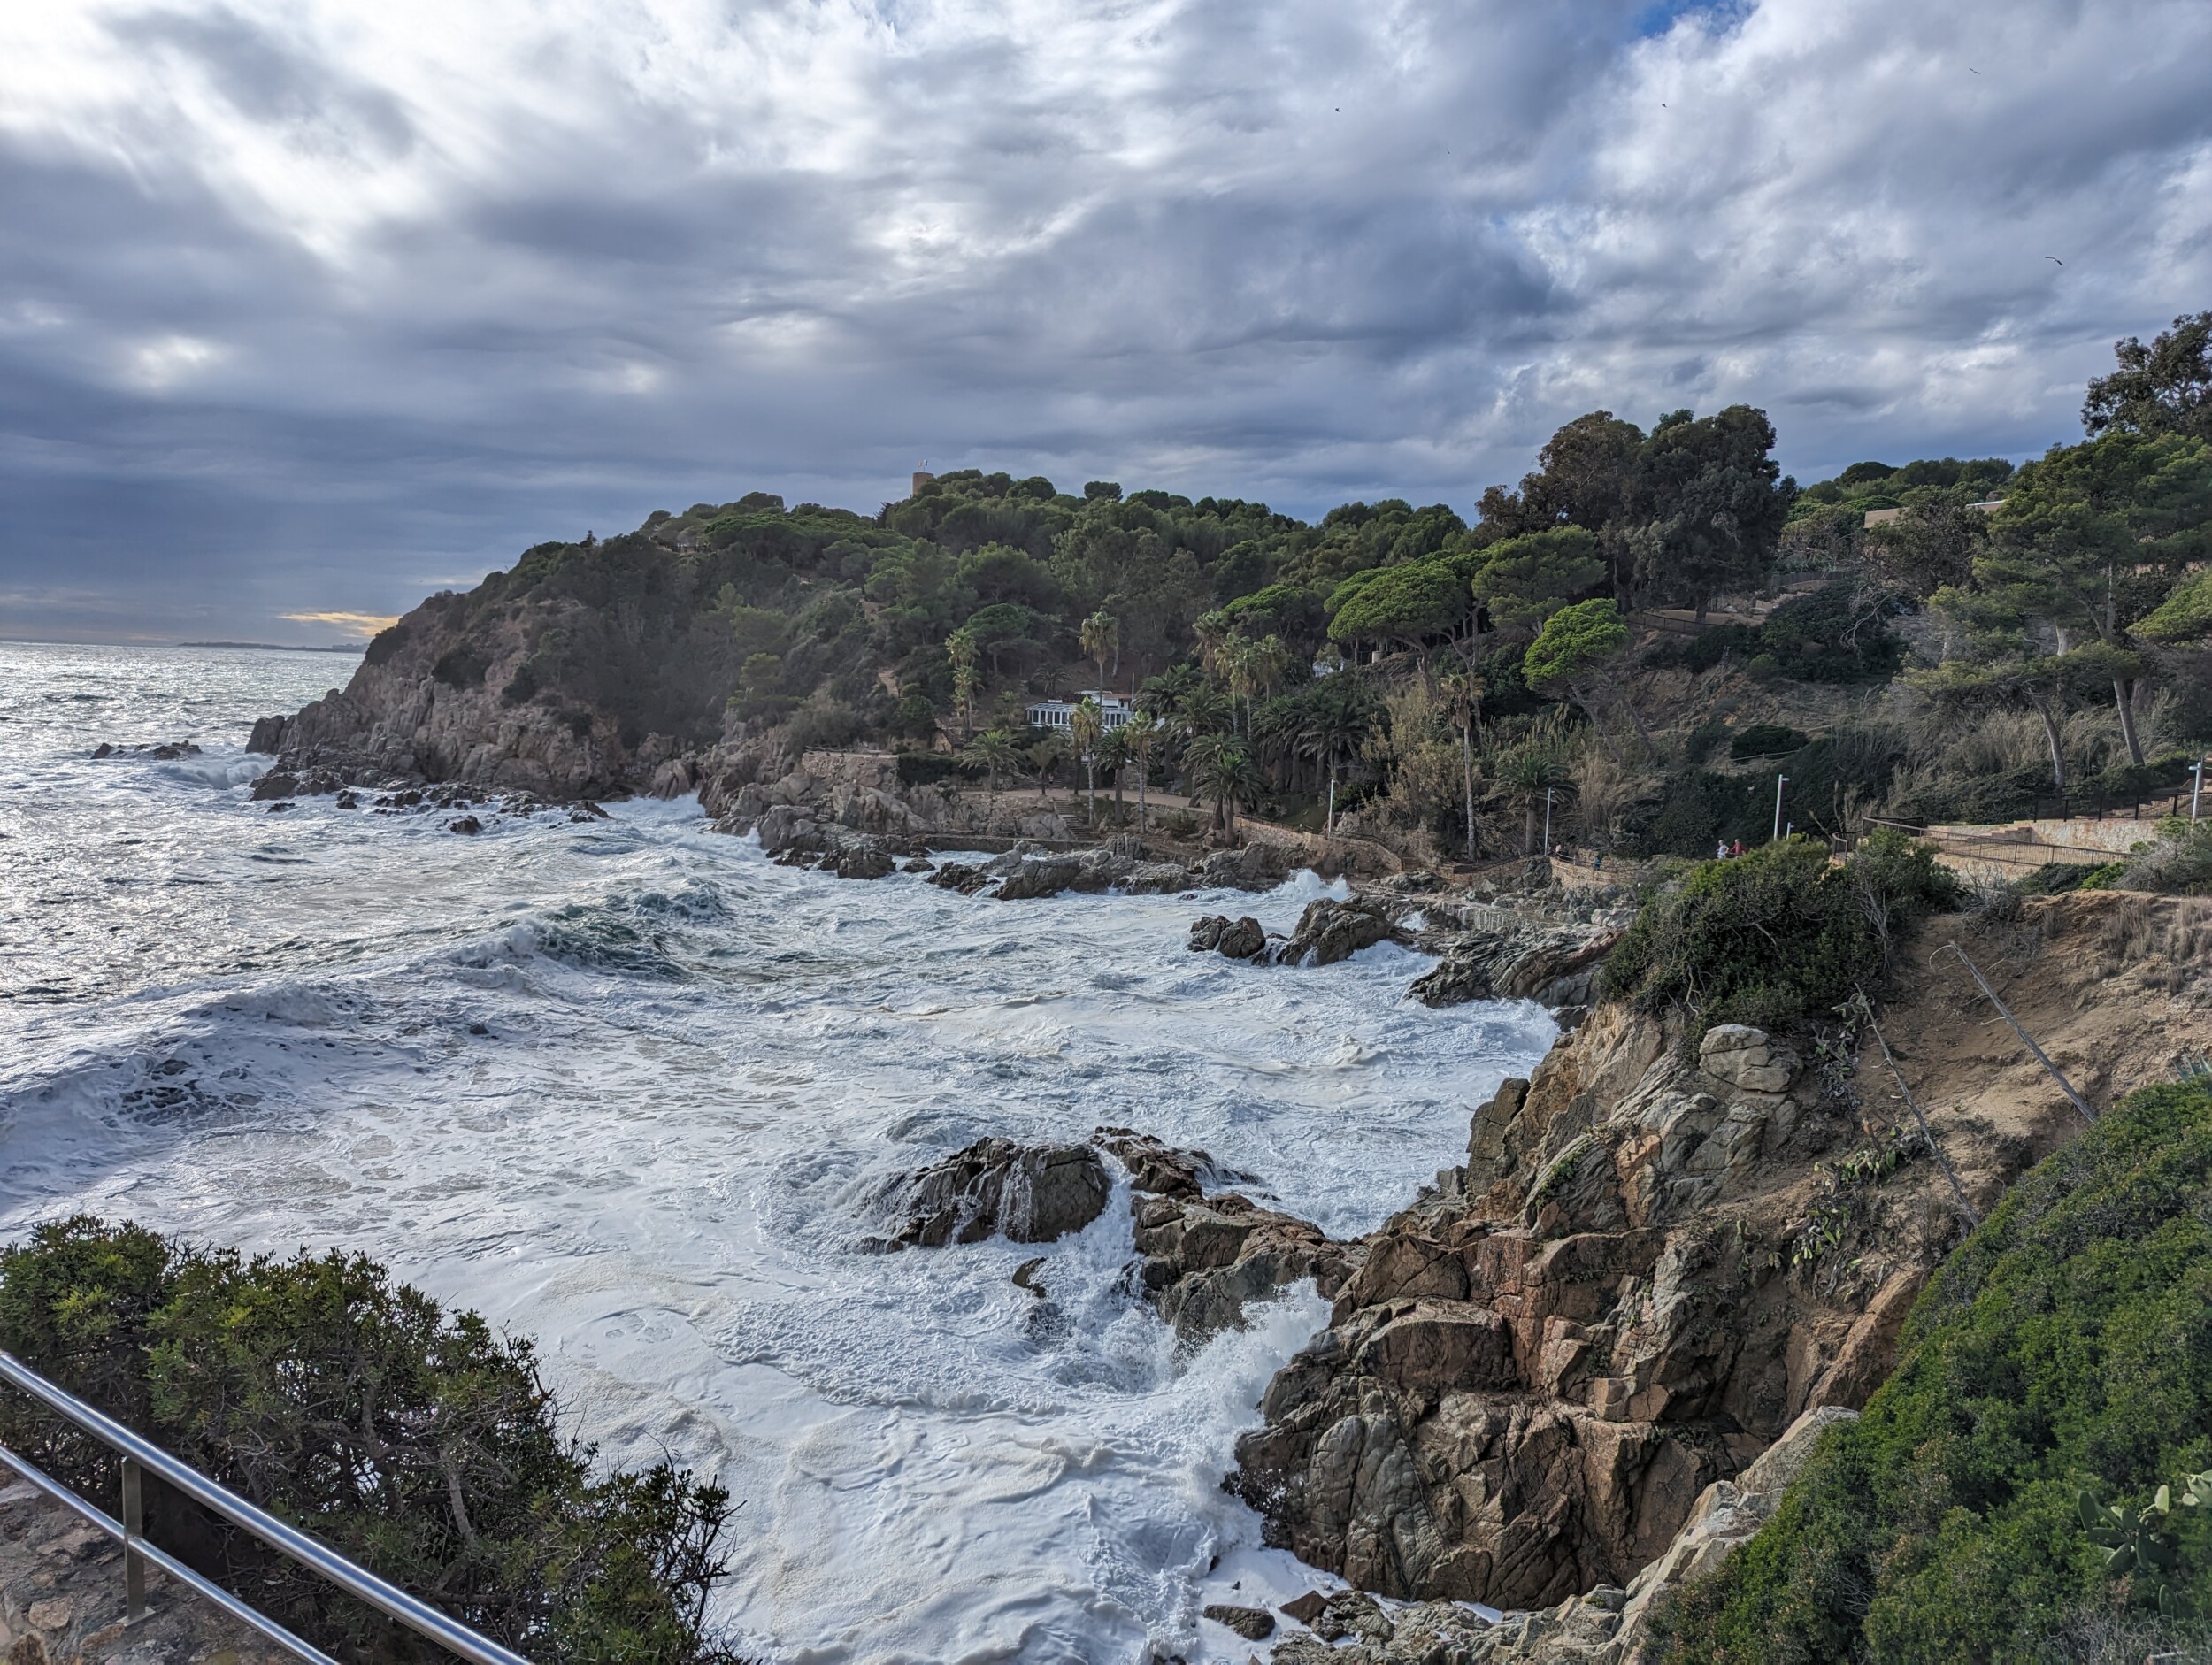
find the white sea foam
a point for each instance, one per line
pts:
(629, 1088)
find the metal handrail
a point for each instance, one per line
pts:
(140, 1455)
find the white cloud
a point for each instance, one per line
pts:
(481, 270)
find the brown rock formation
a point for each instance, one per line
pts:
(1027, 1193)
(1650, 1267)
(1551, 961)
(1528, 1383)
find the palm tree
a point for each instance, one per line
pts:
(1339, 720)
(1102, 640)
(1221, 768)
(1044, 754)
(1462, 691)
(1087, 725)
(1138, 733)
(960, 648)
(1272, 663)
(1163, 695)
(996, 754)
(1113, 757)
(1527, 774)
(1238, 665)
(1205, 712)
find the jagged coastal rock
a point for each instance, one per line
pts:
(997, 1188)
(1610, 1625)
(1552, 960)
(1327, 932)
(1535, 1373)
(1203, 1261)
(1201, 1258)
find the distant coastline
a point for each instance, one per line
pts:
(282, 647)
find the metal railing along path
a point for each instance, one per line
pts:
(142, 1457)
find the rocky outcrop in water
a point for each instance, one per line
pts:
(1622, 1298)
(1202, 1260)
(167, 751)
(1552, 960)
(1205, 1253)
(1035, 1193)
(1327, 932)
(1161, 1170)
(1330, 931)
(1240, 939)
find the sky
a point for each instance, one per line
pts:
(309, 308)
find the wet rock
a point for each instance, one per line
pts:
(787, 827)
(1203, 1261)
(347, 801)
(1551, 961)
(1159, 1168)
(919, 864)
(467, 824)
(1307, 1607)
(1254, 1624)
(1330, 931)
(862, 862)
(1244, 939)
(1043, 875)
(995, 1187)
(275, 784)
(1260, 865)
(1351, 1613)
(268, 736)
(966, 878)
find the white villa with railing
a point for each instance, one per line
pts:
(1114, 709)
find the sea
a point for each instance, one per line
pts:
(629, 1089)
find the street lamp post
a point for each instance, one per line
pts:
(2196, 791)
(1547, 795)
(1780, 781)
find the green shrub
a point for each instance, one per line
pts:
(1701, 806)
(2179, 865)
(1838, 634)
(409, 1438)
(1777, 935)
(2053, 878)
(2066, 1345)
(926, 769)
(1766, 740)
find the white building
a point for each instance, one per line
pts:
(1114, 709)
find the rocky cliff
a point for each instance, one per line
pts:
(576, 674)
(1658, 1257)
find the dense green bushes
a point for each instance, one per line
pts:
(411, 1440)
(1838, 634)
(2066, 1345)
(1777, 935)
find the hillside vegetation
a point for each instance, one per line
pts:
(1642, 633)
(2059, 1364)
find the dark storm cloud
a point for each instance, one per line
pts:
(312, 307)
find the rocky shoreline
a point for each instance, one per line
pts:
(1581, 1366)
(1549, 1384)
